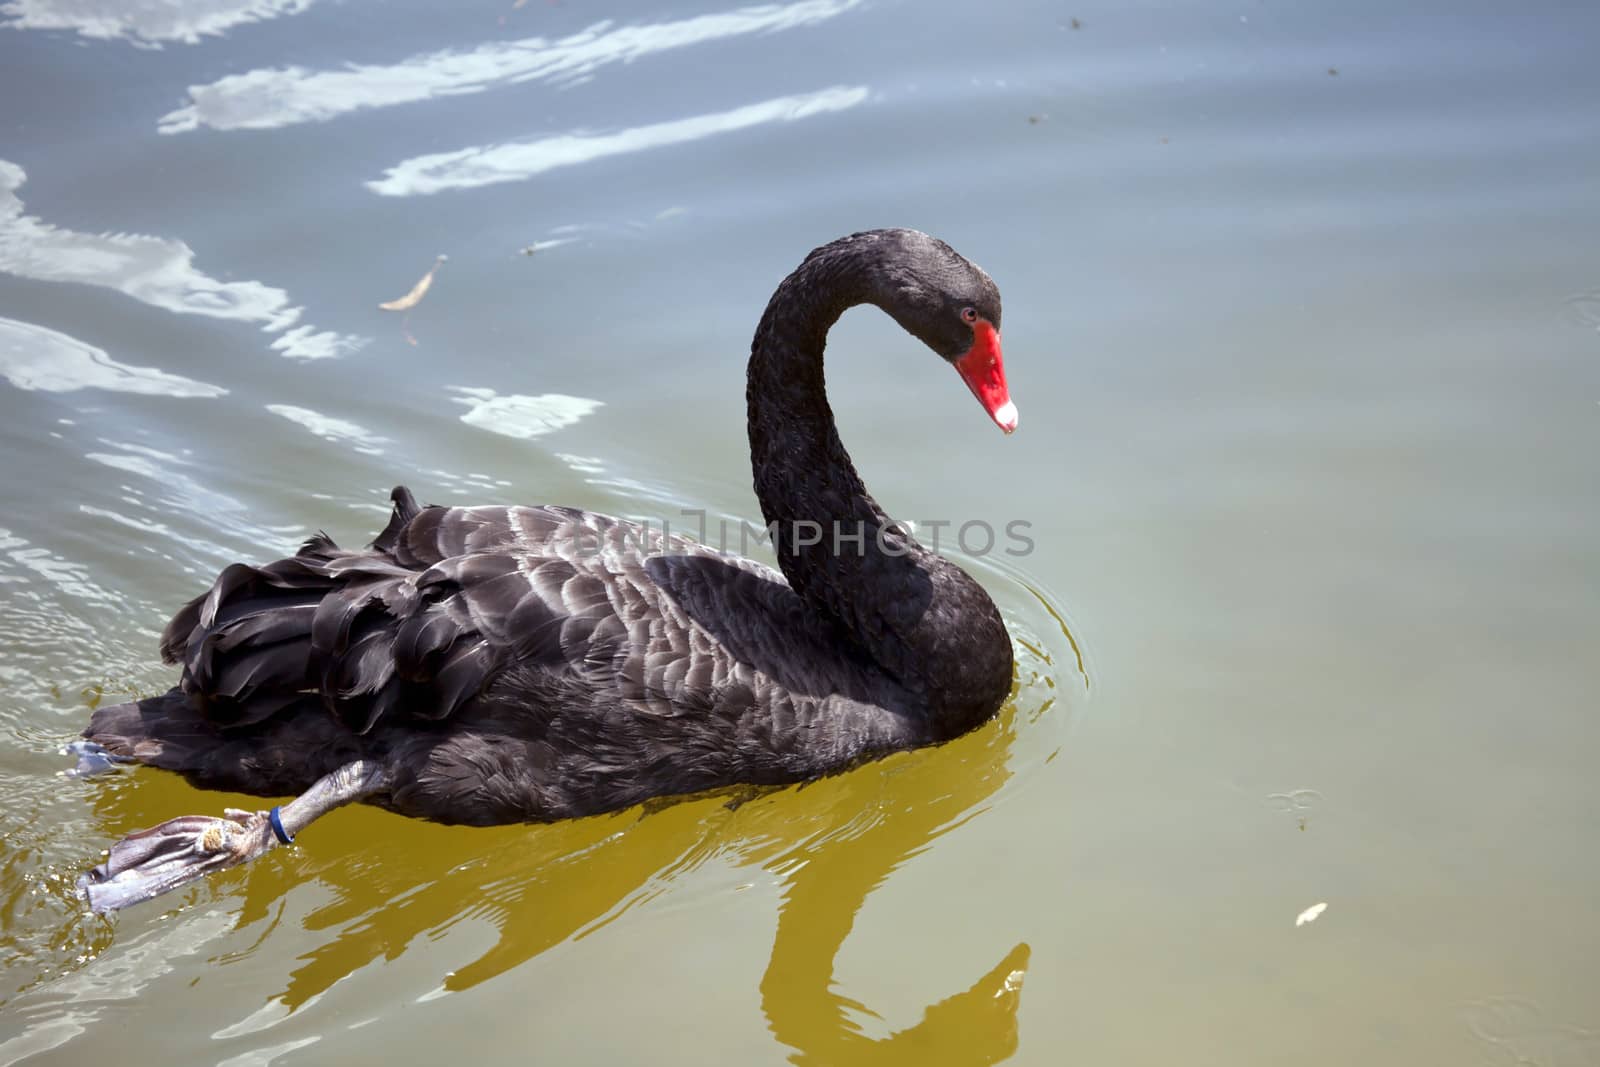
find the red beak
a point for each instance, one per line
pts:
(985, 374)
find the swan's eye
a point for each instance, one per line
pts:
(969, 315)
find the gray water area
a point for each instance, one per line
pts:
(1303, 322)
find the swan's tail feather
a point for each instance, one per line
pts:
(314, 628)
(340, 643)
(349, 638)
(280, 757)
(164, 731)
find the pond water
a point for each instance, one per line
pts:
(1303, 321)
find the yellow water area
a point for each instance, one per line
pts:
(363, 885)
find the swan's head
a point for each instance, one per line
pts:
(953, 307)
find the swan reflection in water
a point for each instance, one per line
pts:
(830, 844)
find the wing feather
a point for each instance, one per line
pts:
(423, 623)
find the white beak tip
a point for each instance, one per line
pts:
(1005, 416)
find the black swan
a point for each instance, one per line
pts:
(526, 664)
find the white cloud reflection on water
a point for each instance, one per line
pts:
(267, 98)
(517, 161)
(158, 271)
(146, 23)
(338, 431)
(516, 415)
(38, 359)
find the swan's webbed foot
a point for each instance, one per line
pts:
(151, 862)
(92, 759)
(154, 861)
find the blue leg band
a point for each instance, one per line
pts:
(277, 827)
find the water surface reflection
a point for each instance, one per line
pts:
(147, 23)
(468, 168)
(158, 271)
(37, 358)
(271, 97)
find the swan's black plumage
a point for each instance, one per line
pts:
(506, 664)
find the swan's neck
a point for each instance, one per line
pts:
(920, 618)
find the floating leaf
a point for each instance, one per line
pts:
(418, 291)
(1311, 913)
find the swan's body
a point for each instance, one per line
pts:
(494, 664)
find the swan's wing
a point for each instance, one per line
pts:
(446, 600)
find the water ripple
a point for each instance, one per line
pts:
(516, 415)
(285, 96)
(480, 165)
(157, 271)
(35, 358)
(144, 24)
(331, 429)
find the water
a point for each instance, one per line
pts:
(1303, 320)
